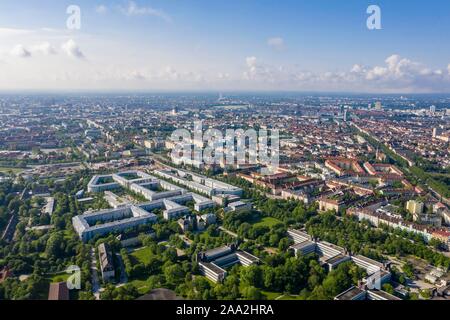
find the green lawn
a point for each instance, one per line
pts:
(141, 285)
(278, 296)
(267, 222)
(8, 169)
(142, 255)
(289, 297)
(61, 277)
(271, 295)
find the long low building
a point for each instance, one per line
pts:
(212, 263)
(127, 216)
(377, 216)
(102, 183)
(332, 256)
(150, 187)
(355, 293)
(103, 222)
(198, 183)
(212, 271)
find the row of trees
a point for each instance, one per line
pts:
(43, 253)
(360, 238)
(282, 273)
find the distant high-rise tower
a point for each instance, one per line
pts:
(378, 106)
(433, 109)
(345, 115)
(437, 132)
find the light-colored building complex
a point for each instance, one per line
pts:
(125, 215)
(212, 263)
(355, 293)
(138, 182)
(111, 220)
(198, 183)
(331, 256)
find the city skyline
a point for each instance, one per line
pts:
(228, 157)
(295, 46)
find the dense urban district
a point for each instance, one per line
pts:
(94, 205)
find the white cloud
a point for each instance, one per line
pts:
(44, 48)
(170, 73)
(223, 75)
(11, 32)
(357, 69)
(72, 49)
(252, 66)
(134, 10)
(136, 75)
(398, 74)
(101, 9)
(20, 51)
(276, 43)
(251, 62)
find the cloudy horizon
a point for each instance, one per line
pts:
(201, 46)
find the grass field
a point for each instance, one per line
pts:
(141, 285)
(278, 296)
(271, 295)
(267, 222)
(289, 297)
(8, 169)
(60, 277)
(141, 255)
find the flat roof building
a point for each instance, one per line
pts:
(355, 293)
(198, 183)
(212, 263)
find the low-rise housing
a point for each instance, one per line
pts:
(106, 262)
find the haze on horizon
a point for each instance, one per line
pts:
(235, 45)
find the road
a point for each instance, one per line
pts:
(94, 273)
(47, 227)
(123, 274)
(186, 240)
(8, 234)
(234, 235)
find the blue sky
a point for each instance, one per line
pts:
(300, 45)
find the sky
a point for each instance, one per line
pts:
(225, 45)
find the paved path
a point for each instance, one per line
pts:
(231, 233)
(123, 274)
(94, 273)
